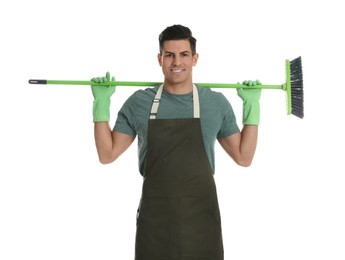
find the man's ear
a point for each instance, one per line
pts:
(159, 56)
(195, 59)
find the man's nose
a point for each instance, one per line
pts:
(177, 61)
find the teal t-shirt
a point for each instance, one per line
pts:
(216, 115)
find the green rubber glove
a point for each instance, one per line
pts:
(102, 95)
(251, 104)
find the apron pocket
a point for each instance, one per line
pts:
(201, 227)
(153, 229)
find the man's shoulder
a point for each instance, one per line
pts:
(143, 95)
(210, 93)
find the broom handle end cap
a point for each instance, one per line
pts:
(37, 81)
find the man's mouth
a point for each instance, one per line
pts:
(176, 70)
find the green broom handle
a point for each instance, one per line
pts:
(143, 84)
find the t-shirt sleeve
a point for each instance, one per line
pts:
(125, 122)
(229, 124)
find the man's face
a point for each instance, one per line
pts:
(177, 62)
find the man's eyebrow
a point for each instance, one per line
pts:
(182, 52)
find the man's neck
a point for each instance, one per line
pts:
(179, 88)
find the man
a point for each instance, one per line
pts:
(177, 124)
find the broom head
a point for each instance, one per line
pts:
(294, 87)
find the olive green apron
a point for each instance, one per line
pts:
(178, 217)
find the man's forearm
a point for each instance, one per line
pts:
(104, 141)
(249, 139)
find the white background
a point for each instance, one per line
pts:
(58, 202)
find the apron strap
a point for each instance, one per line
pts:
(196, 102)
(155, 103)
(157, 99)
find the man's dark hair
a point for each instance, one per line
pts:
(177, 32)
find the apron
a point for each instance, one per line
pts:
(178, 216)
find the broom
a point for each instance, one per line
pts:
(293, 85)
